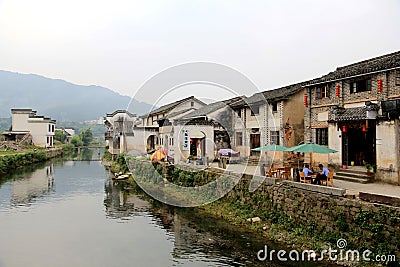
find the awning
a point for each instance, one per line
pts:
(358, 113)
(196, 134)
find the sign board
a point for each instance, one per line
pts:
(186, 141)
(323, 116)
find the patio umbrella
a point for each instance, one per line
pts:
(272, 147)
(311, 148)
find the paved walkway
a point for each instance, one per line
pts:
(352, 188)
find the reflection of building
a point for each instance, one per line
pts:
(39, 183)
(26, 124)
(355, 110)
(120, 204)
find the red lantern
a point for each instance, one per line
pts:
(337, 90)
(364, 128)
(380, 87)
(305, 100)
(344, 129)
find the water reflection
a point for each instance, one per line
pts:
(119, 204)
(69, 213)
(85, 154)
(34, 185)
(196, 239)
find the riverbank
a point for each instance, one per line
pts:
(11, 161)
(300, 218)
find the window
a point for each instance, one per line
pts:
(398, 77)
(239, 113)
(49, 129)
(52, 128)
(274, 137)
(322, 92)
(192, 104)
(255, 110)
(360, 86)
(274, 106)
(320, 136)
(239, 139)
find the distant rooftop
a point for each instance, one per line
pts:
(170, 106)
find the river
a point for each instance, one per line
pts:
(70, 213)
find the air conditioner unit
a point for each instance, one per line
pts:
(391, 108)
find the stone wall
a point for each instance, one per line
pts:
(324, 213)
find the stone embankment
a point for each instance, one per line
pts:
(310, 213)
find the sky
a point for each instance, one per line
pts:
(121, 44)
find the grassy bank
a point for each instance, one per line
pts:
(10, 160)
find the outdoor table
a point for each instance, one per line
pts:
(313, 176)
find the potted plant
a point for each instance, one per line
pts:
(190, 159)
(369, 168)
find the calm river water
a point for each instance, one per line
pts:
(69, 213)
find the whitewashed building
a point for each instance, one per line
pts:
(120, 126)
(26, 124)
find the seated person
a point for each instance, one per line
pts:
(321, 175)
(307, 171)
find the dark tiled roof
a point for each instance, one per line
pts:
(173, 114)
(169, 107)
(207, 109)
(271, 95)
(120, 111)
(380, 63)
(358, 113)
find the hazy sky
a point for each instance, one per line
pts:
(120, 44)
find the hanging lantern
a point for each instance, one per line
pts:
(380, 86)
(337, 90)
(364, 128)
(344, 129)
(305, 100)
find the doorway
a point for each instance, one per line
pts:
(254, 142)
(358, 143)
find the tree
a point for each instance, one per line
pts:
(60, 135)
(76, 141)
(86, 136)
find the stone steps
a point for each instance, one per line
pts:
(253, 161)
(355, 175)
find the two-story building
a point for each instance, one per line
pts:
(156, 129)
(270, 117)
(202, 132)
(355, 110)
(26, 124)
(128, 133)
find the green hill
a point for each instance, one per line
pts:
(59, 99)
